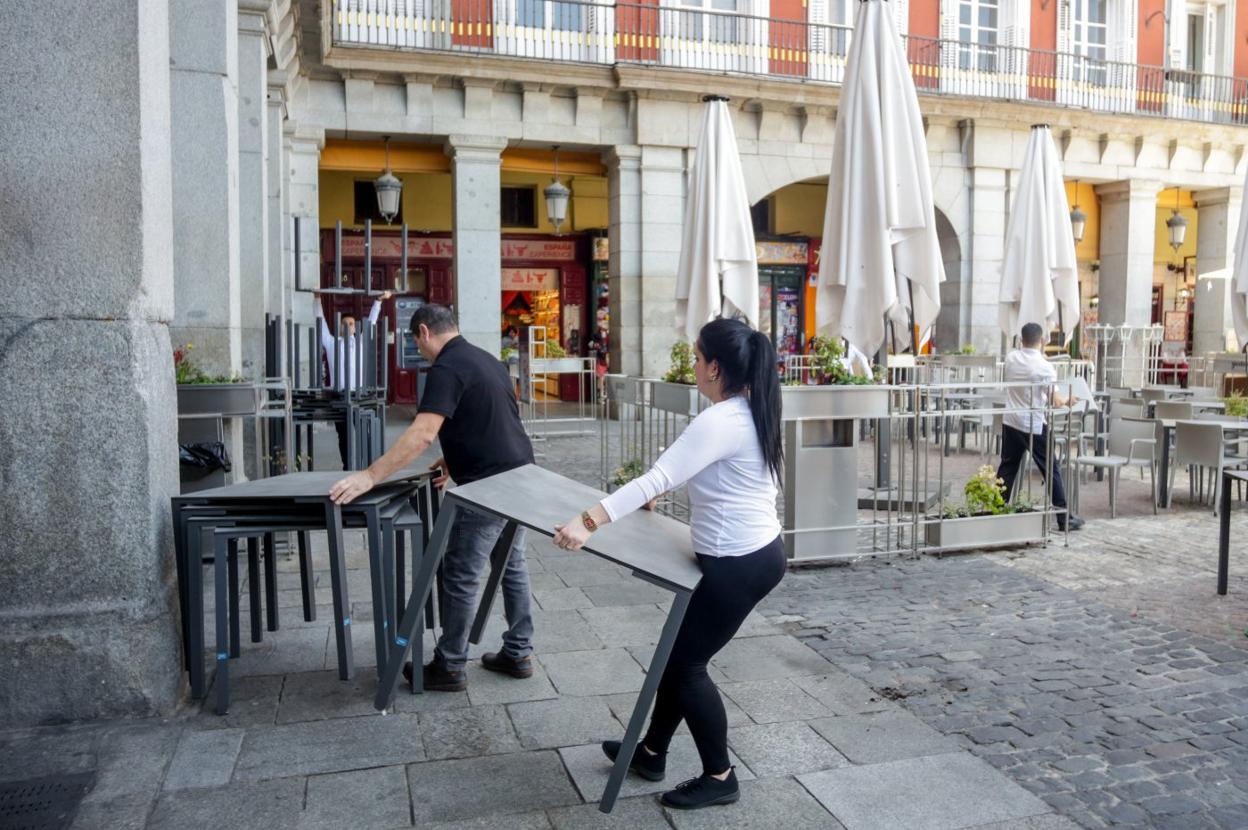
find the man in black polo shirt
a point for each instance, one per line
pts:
(470, 404)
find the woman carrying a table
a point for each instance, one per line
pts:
(730, 457)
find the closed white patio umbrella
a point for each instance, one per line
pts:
(1239, 278)
(1039, 277)
(881, 255)
(717, 241)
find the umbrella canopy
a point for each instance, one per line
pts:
(881, 255)
(1239, 277)
(1039, 278)
(717, 242)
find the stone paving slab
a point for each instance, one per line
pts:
(486, 687)
(478, 787)
(622, 708)
(328, 746)
(590, 768)
(204, 759)
(779, 749)
(132, 760)
(601, 672)
(630, 625)
(640, 813)
(267, 805)
(127, 812)
(843, 694)
(307, 696)
(561, 599)
(468, 733)
(765, 804)
(766, 658)
(254, 701)
(360, 798)
(290, 650)
(772, 701)
(882, 736)
(549, 724)
(635, 592)
(516, 821)
(37, 753)
(936, 792)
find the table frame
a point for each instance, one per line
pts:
(408, 634)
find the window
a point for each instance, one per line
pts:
(717, 28)
(533, 13)
(761, 216)
(366, 205)
(518, 207)
(1090, 34)
(977, 34)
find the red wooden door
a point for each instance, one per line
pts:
(472, 23)
(789, 38)
(637, 29)
(441, 285)
(573, 299)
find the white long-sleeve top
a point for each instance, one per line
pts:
(341, 350)
(732, 493)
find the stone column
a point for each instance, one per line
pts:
(662, 217)
(203, 58)
(280, 267)
(253, 182)
(301, 175)
(476, 233)
(990, 204)
(1128, 234)
(88, 454)
(624, 267)
(1217, 217)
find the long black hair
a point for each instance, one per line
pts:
(747, 363)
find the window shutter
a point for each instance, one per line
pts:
(948, 33)
(901, 16)
(1065, 26)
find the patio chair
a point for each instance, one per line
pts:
(1149, 394)
(1131, 444)
(1172, 411)
(1126, 408)
(1200, 446)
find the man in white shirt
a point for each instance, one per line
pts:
(341, 359)
(1024, 427)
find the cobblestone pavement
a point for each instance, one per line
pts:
(1040, 689)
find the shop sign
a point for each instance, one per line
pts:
(780, 253)
(540, 249)
(530, 279)
(602, 249)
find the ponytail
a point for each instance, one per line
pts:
(747, 364)
(765, 402)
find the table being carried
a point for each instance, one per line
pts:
(657, 549)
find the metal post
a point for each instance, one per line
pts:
(368, 255)
(403, 287)
(338, 254)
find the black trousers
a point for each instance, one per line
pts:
(730, 588)
(1014, 443)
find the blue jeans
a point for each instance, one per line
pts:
(467, 559)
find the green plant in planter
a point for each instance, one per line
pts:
(985, 493)
(828, 370)
(626, 472)
(1236, 405)
(554, 351)
(507, 354)
(967, 348)
(681, 370)
(186, 371)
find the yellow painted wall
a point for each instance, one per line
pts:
(1089, 249)
(798, 209)
(427, 200)
(1165, 206)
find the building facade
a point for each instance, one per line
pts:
(191, 135)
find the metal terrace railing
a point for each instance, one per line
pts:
(650, 34)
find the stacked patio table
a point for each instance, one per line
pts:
(657, 549)
(295, 502)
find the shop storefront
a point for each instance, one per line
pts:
(544, 283)
(782, 275)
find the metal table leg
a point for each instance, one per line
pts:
(498, 565)
(410, 628)
(253, 588)
(270, 581)
(680, 602)
(1163, 473)
(381, 626)
(338, 580)
(1224, 534)
(307, 577)
(221, 591)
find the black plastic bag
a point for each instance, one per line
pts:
(204, 457)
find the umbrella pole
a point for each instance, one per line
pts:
(883, 432)
(914, 334)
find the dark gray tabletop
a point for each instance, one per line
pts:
(292, 486)
(647, 542)
(1227, 421)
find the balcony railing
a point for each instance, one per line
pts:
(650, 34)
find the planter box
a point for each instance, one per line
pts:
(977, 361)
(677, 398)
(811, 402)
(226, 399)
(986, 531)
(625, 390)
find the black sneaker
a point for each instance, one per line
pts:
(437, 678)
(703, 791)
(649, 767)
(1074, 522)
(503, 664)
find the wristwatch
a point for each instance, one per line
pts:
(588, 521)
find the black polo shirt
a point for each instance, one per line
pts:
(482, 434)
